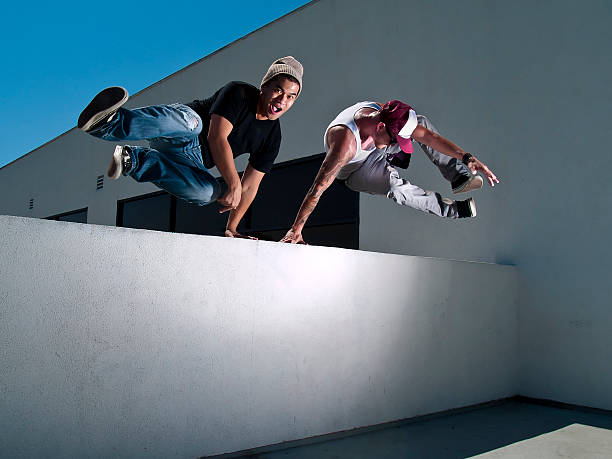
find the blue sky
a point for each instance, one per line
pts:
(56, 55)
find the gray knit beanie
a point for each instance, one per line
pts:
(287, 65)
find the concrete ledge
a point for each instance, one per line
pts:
(132, 343)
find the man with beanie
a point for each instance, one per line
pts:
(366, 140)
(185, 140)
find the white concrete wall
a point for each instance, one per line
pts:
(130, 343)
(524, 85)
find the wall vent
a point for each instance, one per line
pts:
(100, 182)
(31, 206)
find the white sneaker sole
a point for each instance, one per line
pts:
(475, 182)
(115, 168)
(472, 205)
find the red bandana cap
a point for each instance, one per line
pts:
(401, 120)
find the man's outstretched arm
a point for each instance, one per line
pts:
(342, 148)
(448, 148)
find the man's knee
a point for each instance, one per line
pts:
(406, 194)
(210, 193)
(206, 194)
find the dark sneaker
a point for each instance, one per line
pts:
(466, 209)
(102, 107)
(120, 164)
(473, 183)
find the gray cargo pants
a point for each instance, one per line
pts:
(376, 176)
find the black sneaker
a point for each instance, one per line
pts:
(466, 209)
(104, 105)
(120, 164)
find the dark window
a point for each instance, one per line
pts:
(335, 221)
(154, 211)
(194, 219)
(285, 189)
(76, 216)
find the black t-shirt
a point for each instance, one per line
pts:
(237, 101)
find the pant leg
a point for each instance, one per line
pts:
(451, 169)
(376, 176)
(175, 122)
(176, 169)
(173, 161)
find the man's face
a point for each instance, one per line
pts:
(277, 97)
(383, 137)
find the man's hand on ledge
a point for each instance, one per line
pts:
(293, 237)
(237, 235)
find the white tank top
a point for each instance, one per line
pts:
(347, 118)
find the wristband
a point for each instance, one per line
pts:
(466, 158)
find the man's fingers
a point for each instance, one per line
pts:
(226, 205)
(292, 238)
(243, 236)
(237, 235)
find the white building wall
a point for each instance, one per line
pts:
(524, 85)
(130, 343)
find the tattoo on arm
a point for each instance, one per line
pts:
(342, 145)
(325, 177)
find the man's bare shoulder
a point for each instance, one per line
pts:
(341, 139)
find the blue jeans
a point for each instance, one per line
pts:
(173, 160)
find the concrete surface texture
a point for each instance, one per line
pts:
(513, 429)
(132, 343)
